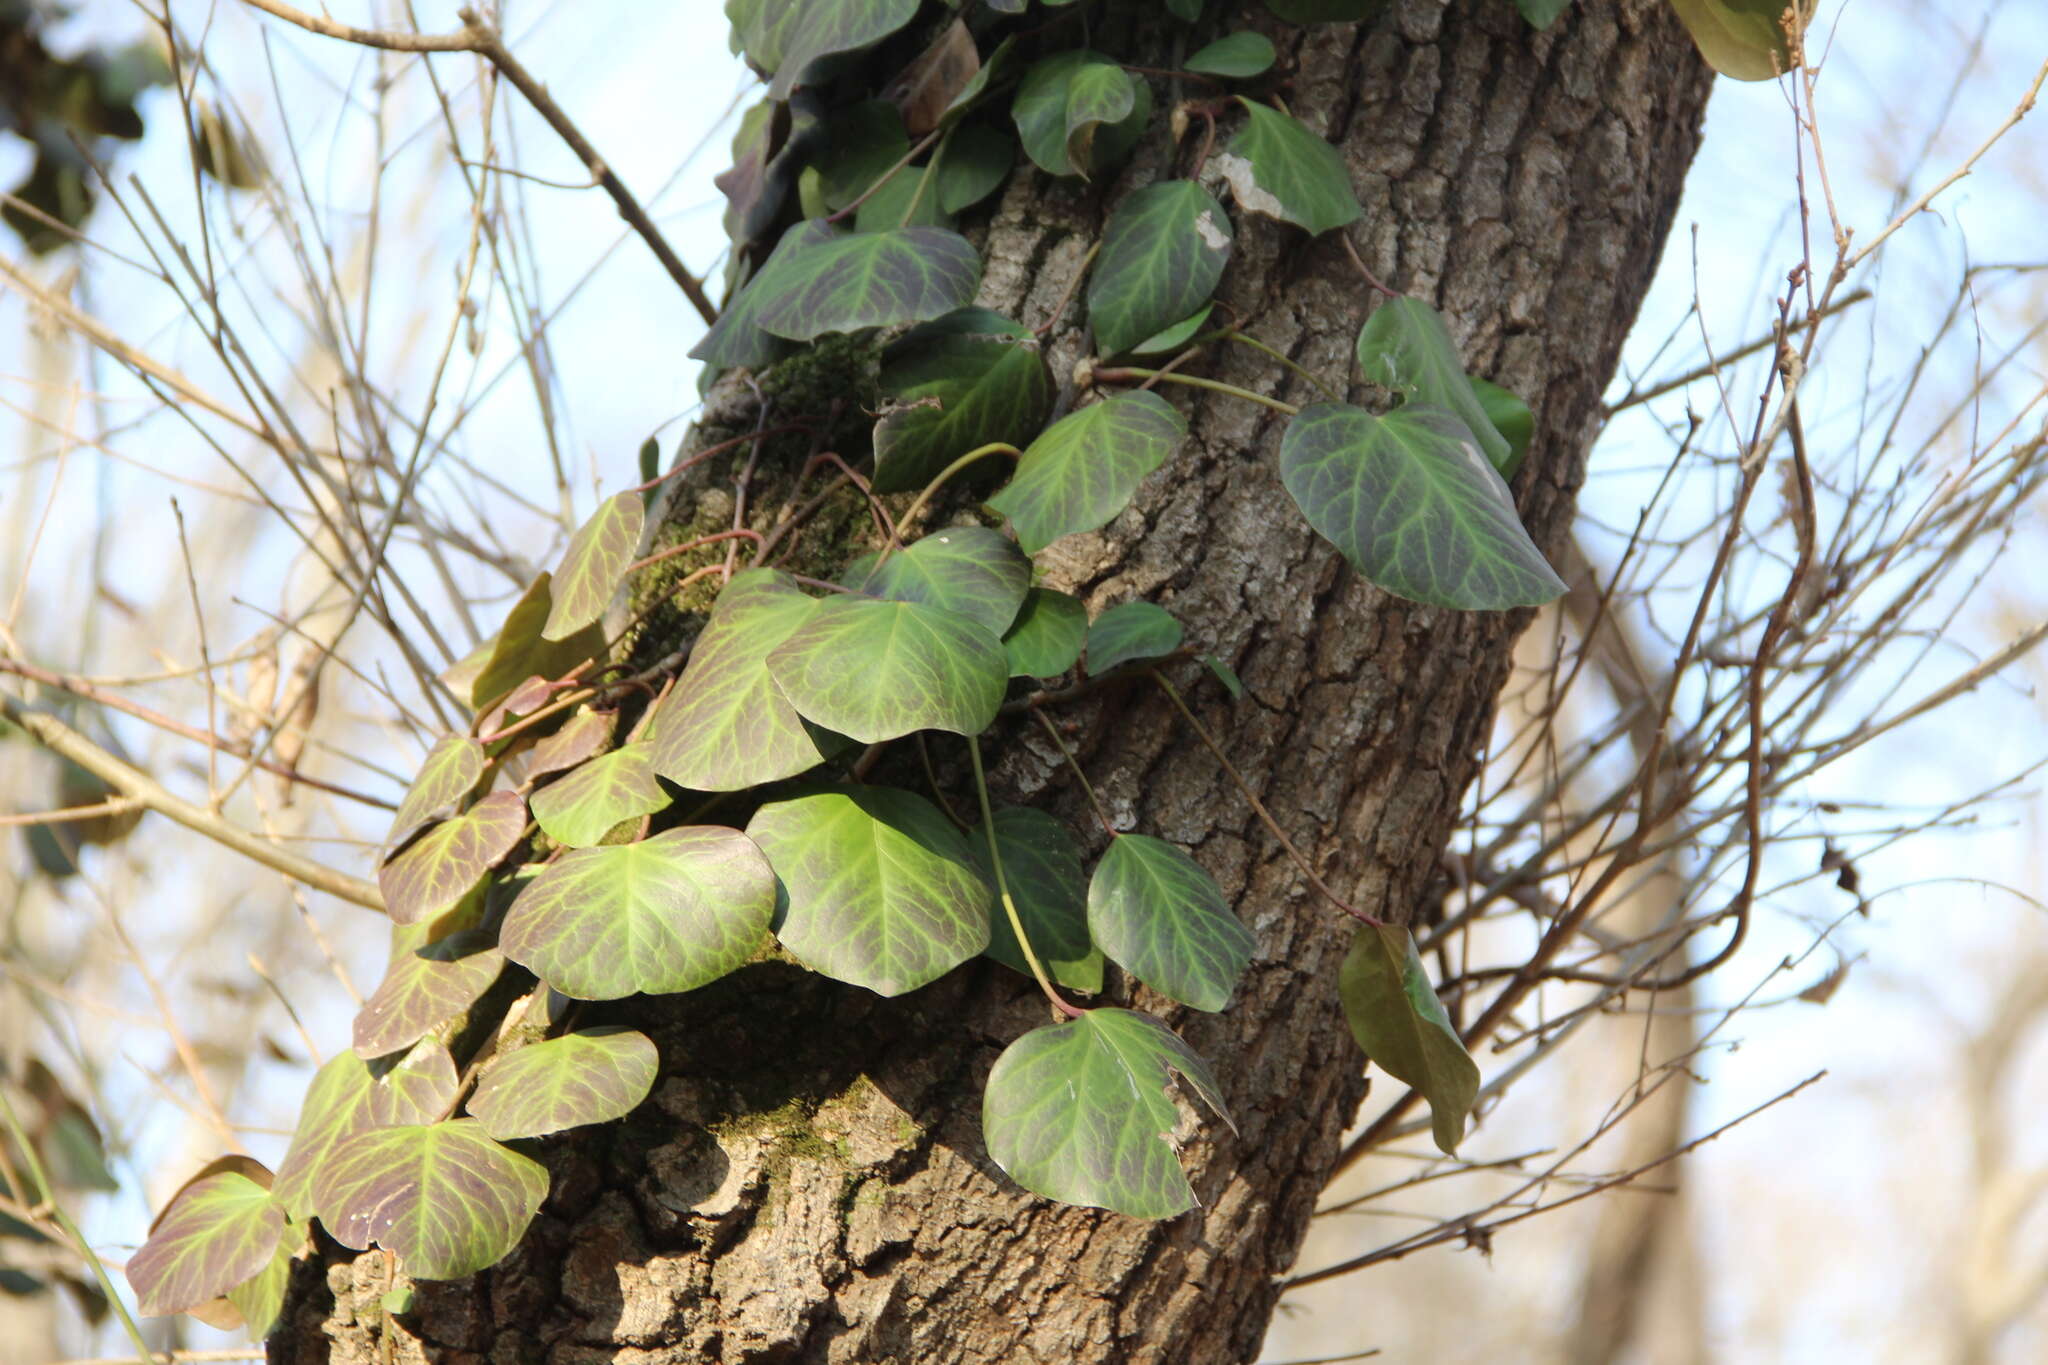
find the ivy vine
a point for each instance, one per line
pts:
(570, 835)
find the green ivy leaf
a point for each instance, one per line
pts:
(340, 1102)
(424, 989)
(1082, 470)
(1046, 638)
(1413, 504)
(1743, 39)
(447, 775)
(861, 144)
(1163, 254)
(784, 37)
(1325, 11)
(419, 1089)
(594, 564)
(1226, 675)
(585, 734)
(1277, 167)
(1049, 887)
(519, 651)
(443, 1196)
(663, 916)
(737, 338)
(1397, 1019)
(968, 570)
(1509, 416)
(591, 1076)
(220, 1230)
(865, 279)
(1542, 14)
(1080, 1112)
(1186, 10)
(1406, 346)
(1160, 916)
(1078, 112)
(906, 201)
(438, 869)
(878, 888)
(1135, 630)
(1099, 96)
(1176, 336)
(579, 809)
(876, 670)
(976, 162)
(260, 1298)
(1237, 56)
(727, 727)
(966, 380)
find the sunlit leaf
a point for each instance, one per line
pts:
(438, 869)
(443, 1196)
(1080, 1112)
(419, 1089)
(727, 726)
(580, 808)
(1163, 254)
(876, 670)
(590, 1076)
(878, 888)
(1743, 39)
(1237, 55)
(1082, 470)
(1395, 1015)
(663, 916)
(1413, 504)
(424, 989)
(594, 564)
(260, 1298)
(583, 735)
(518, 652)
(956, 384)
(1049, 887)
(1277, 167)
(1046, 638)
(866, 279)
(784, 37)
(1135, 630)
(1158, 915)
(447, 775)
(1406, 346)
(340, 1101)
(221, 1230)
(969, 570)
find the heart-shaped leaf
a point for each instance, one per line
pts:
(424, 989)
(1080, 1112)
(581, 808)
(1744, 39)
(594, 564)
(1046, 638)
(663, 916)
(1082, 470)
(1135, 630)
(219, 1231)
(443, 1196)
(1237, 55)
(865, 279)
(419, 1089)
(584, 734)
(1049, 887)
(1163, 254)
(876, 670)
(878, 888)
(1414, 505)
(969, 570)
(737, 338)
(260, 1298)
(966, 380)
(1395, 1015)
(591, 1076)
(519, 651)
(340, 1102)
(1078, 112)
(784, 37)
(1277, 167)
(1159, 915)
(447, 775)
(438, 869)
(1406, 346)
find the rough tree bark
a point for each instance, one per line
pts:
(807, 1183)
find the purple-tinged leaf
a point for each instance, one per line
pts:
(442, 865)
(443, 1196)
(590, 1076)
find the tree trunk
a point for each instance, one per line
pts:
(808, 1183)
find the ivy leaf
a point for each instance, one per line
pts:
(1163, 254)
(340, 1102)
(419, 1089)
(1277, 167)
(591, 1076)
(785, 37)
(443, 1196)
(1080, 1112)
(584, 806)
(1226, 675)
(663, 916)
(1160, 916)
(727, 727)
(219, 1231)
(1405, 346)
(438, 869)
(1415, 507)
(1046, 638)
(1744, 39)
(1542, 14)
(878, 888)
(737, 337)
(1397, 1019)
(519, 651)
(906, 201)
(876, 670)
(447, 775)
(968, 570)
(260, 1298)
(1049, 887)
(1509, 416)
(1325, 11)
(424, 989)
(977, 160)
(1098, 95)
(861, 144)
(1078, 112)
(866, 279)
(1082, 470)
(1174, 337)
(1238, 56)
(583, 735)
(1135, 630)
(966, 380)
(594, 564)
